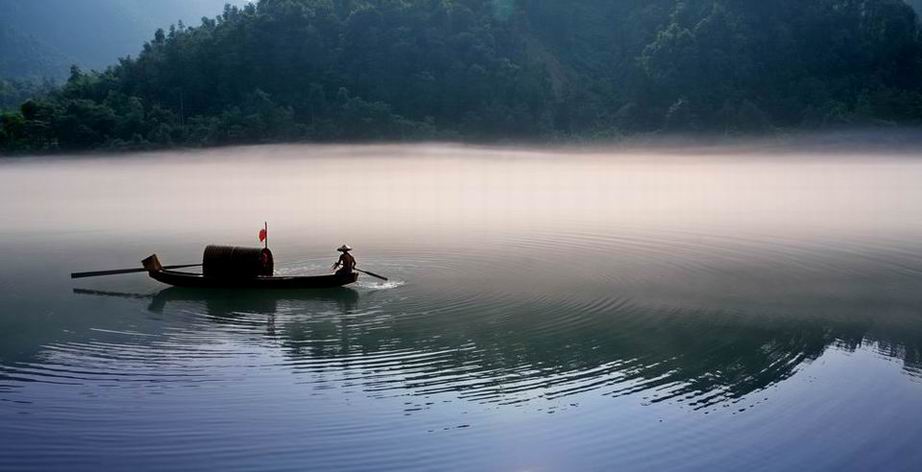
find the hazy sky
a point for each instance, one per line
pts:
(95, 33)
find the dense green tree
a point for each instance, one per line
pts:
(321, 70)
(14, 92)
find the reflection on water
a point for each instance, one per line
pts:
(551, 306)
(532, 350)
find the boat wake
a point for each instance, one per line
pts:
(391, 284)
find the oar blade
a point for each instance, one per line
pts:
(373, 274)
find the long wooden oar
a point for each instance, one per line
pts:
(81, 275)
(372, 274)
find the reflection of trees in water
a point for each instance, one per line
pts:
(894, 343)
(699, 358)
(516, 353)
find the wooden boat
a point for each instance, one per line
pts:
(230, 267)
(241, 268)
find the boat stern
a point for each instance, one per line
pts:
(152, 263)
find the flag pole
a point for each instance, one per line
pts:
(266, 228)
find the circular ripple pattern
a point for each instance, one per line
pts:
(559, 340)
(659, 318)
(515, 325)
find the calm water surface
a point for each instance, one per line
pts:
(722, 309)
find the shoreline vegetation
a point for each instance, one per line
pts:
(843, 142)
(488, 72)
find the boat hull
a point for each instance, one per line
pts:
(185, 279)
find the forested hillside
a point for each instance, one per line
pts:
(492, 69)
(14, 92)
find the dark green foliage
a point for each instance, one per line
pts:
(14, 92)
(338, 70)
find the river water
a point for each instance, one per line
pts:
(566, 309)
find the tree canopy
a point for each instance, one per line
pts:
(335, 70)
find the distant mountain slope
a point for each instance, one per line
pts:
(91, 33)
(25, 57)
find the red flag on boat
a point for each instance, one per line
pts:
(263, 234)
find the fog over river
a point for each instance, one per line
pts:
(680, 308)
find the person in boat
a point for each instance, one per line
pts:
(346, 261)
